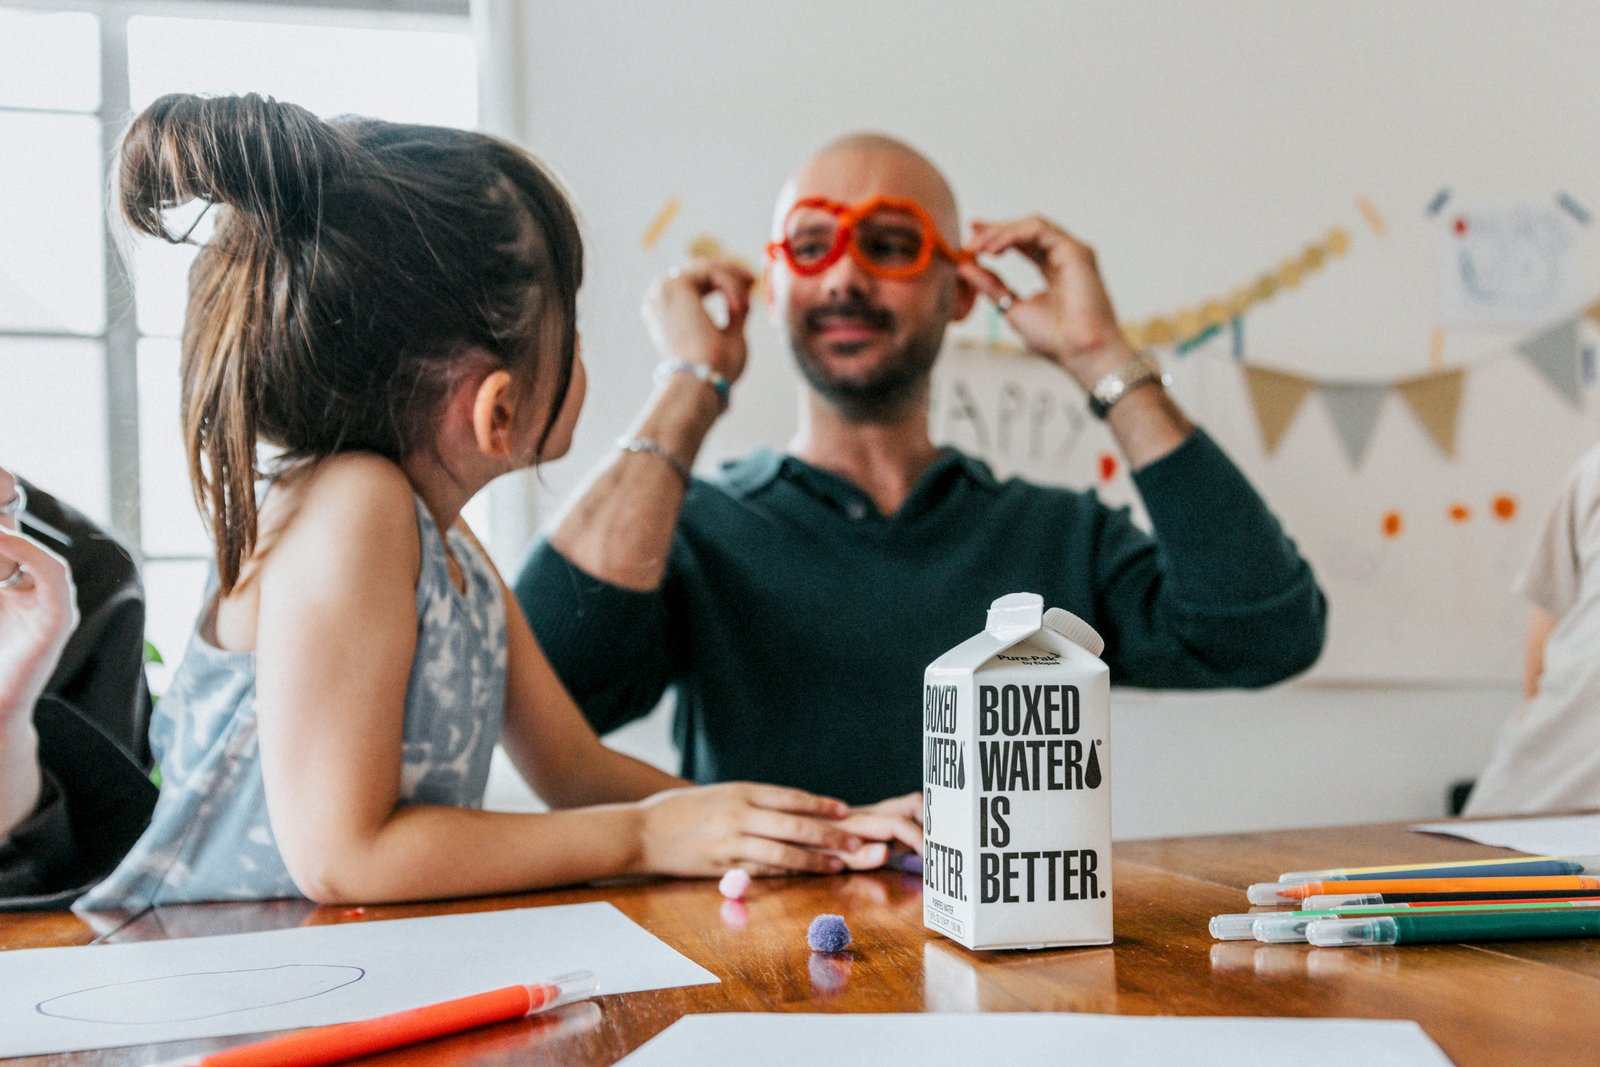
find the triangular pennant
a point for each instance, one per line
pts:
(1554, 354)
(1354, 410)
(1275, 396)
(1435, 399)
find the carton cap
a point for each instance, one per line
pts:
(1075, 630)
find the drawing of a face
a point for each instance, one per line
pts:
(1511, 259)
(186, 997)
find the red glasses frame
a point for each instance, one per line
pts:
(844, 238)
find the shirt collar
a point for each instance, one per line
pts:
(750, 474)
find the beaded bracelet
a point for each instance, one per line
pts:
(699, 371)
(648, 447)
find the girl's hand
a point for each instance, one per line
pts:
(897, 820)
(766, 829)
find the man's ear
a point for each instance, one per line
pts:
(966, 297)
(494, 415)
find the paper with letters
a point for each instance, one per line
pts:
(1560, 835)
(1026, 1039)
(105, 996)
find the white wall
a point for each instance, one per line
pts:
(1194, 144)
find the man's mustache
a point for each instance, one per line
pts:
(849, 311)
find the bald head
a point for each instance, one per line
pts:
(861, 165)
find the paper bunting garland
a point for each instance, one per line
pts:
(1554, 354)
(1276, 396)
(1354, 410)
(1435, 399)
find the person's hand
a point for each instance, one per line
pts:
(896, 821)
(1070, 320)
(680, 324)
(766, 829)
(38, 612)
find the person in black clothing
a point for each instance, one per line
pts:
(75, 791)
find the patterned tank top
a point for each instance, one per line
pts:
(209, 838)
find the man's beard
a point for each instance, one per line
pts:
(897, 383)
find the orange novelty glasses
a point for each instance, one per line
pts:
(887, 236)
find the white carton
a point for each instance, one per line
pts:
(1016, 762)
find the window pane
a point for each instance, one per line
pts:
(161, 284)
(52, 242)
(401, 75)
(53, 418)
(172, 592)
(171, 524)
(49, 61)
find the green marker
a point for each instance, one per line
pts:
(1290, 926)
(1413, 929)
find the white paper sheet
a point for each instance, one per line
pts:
(1565, 835)
(104, 996)
(1027, 1038)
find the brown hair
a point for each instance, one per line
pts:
(353, 263)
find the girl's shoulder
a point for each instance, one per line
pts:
(352, 494)
(342, 526)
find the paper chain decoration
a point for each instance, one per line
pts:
(1187, 324)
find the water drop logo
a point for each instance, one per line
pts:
(1091, 772)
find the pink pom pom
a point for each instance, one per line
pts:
(734, 883)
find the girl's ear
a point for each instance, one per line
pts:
(494, 416)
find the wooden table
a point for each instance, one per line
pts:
(1497, 1004)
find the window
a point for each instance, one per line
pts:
(90, 356)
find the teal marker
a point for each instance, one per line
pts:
(1415, 929)
(1289, 926)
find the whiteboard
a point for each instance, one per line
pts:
(1193, 145)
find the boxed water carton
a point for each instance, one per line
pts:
(1016, 779)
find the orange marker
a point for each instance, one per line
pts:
(346, 1041)
(1279, 893)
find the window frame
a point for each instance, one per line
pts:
(120, 336)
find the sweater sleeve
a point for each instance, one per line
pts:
(607, 644)
(1218, 597)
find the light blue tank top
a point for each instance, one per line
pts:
(210, 839)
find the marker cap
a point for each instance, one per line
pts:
(1233, 927)
(563, 989)
(1280, 929)
(1263, 893)
(1340, 933)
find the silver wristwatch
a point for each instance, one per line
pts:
(1139, 370)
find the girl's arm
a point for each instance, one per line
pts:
(335, 637)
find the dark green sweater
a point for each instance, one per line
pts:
(795, 621)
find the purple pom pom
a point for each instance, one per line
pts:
(828, 933)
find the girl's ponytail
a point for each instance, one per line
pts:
(269, 166)
(355, 264)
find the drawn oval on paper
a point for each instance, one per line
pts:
(186, 997)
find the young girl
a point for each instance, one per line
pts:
(392, 307)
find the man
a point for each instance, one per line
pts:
(794, 600)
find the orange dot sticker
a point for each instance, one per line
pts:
(1460, 513)
(1108, 466)
(1392, 524)
(1505, 508)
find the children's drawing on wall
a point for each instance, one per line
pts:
(1511, 264)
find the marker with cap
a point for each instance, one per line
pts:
(1501, 868)
(1415, 929)
(1279, 893)
(347, 1041)
(1291, 926)
(1338, 900)
(1242, 926)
